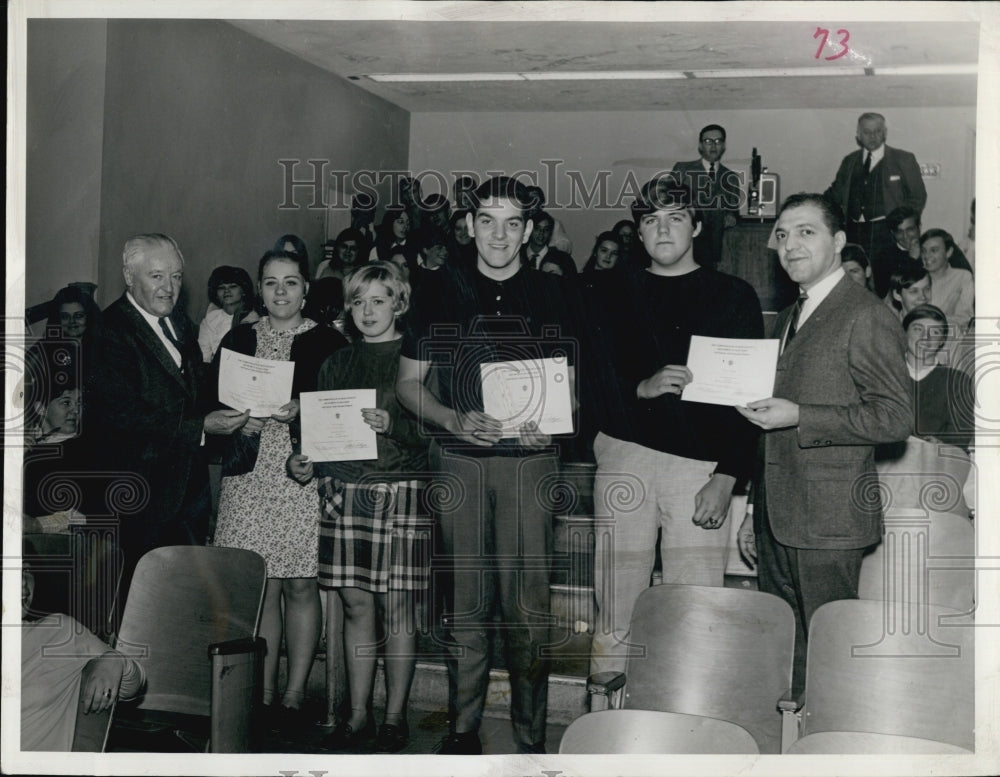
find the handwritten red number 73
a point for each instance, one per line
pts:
(825, 34)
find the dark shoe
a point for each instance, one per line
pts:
(535, 747)
(461, 744)
(345, 739)
(392, 738)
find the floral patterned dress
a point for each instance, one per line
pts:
(266, 510)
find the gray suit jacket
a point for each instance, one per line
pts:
(845, 369)
(900, 176)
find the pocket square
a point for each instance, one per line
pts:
(893, 177)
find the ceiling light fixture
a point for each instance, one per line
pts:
(818, 71)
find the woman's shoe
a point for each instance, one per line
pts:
(392, 738)
(345, 739)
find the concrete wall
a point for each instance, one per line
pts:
(197, 115)
(803, 147)
(65, 135)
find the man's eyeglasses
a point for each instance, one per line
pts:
(713, 141)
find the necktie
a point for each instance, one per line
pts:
(170, 336)
(711, 171)
(534, 261)
(793, 322)
(868, 163)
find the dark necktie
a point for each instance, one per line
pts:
(711, 171)
(170, 336)
(868, 163)
(793, 322)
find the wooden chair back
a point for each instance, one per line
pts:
(865, 675)
(183, 599)
(916, 474)
(924, 558)
(716, 652)
(651, 731)
(78, 573)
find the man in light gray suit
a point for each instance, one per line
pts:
(840, 389)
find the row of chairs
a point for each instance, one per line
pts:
(891, 672)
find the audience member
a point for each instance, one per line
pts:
(231, 289)
(952, 290)
(909, 286)
(375, 534)
(871, 183)
(497, 533)
(537, 251)
(64, 667)
(855, 264)
(433, 255)
(260, 507)
(292, 244)
(840, 390)
(437, 212)
(943, 401)
(70, 333)
(717, 191)
(605, 254)
(325, 303)
(346, 250)
(146, 405)
(463, 249)
(392, 234)
(558, 237)
(632, 253)
(410, 198)
(362, 219)
(688, 455)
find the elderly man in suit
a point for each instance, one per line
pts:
(871, 183)
(717, 189)
(840, 389)
(146, 405)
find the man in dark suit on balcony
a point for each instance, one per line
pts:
(871, 183)
(840, 389)
(717, 193)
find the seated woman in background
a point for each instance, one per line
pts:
(231, 289)
(855, 262)
(375, 528)
(346, 250)
(909, 286)
(952, 289)
(943, 401)
(325, 303)
(392, 234)
(260, 507)
(605, 254)
(632, 254)
(63, 666)
(69, 333)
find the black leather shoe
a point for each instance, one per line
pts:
(392, 738)
(345, 739)
(461, 744)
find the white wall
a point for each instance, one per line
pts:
(803, 147)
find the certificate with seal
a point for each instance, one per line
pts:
(263, 385)
(730, 371)
(333, 428)
(516, 392)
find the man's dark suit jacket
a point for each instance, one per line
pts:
(144, 417)
(899, 173)
(845, 369)
(714, 200)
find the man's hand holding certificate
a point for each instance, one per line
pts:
(728, 371)
(532, 390)
(263, 385)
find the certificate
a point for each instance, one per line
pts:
(333, 428)
(263, 385)
(538, 390)
(729, 371)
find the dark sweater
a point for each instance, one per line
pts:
(648, 323)
(402, 451)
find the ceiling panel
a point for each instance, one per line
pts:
(357, 49)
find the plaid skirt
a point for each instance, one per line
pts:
(376, 537)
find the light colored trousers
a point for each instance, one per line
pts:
(626, 522)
